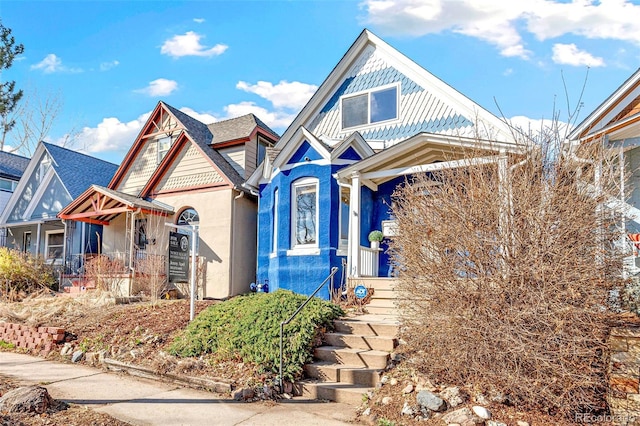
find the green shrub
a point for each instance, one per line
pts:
(247, 328)
(21, 272)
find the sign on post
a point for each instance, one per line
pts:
(178, 257)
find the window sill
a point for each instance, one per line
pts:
(341, 252)
(304, 252)
(273, 255)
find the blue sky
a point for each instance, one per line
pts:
(109, 62)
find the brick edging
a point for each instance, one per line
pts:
(43, 339)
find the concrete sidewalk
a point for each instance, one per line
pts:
(148, 402)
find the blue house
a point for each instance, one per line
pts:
(376, 119)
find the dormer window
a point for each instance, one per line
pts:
(164, 143)
(370, 107)
(45, 165)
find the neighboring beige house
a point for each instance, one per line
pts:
(181, 171)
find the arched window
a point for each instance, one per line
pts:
(188, 217)
(304, 213)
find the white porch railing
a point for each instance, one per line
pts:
(369, 261)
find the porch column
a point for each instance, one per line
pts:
(353, 259)
(39, 228)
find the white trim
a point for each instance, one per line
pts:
(274, 216)
(454, 164)
(42, 187)
(304, 181)
(343, 247)
(46, 244)
(311, 251)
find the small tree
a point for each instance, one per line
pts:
(9, 96)
(506, 286)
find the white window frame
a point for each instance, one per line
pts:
(25, 248)
(44, 167)
(274, 234)
(368, 93)
(294, 207)
(47, 245)
(162, 153)
(343, 245)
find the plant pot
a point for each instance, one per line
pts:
(375, 245)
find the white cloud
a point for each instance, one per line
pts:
(274, 119)
(203, 117)
(569, 54)
(159, 87)
(52, 63)
(111, 134)
(292, 95)
(198, 20)
(106, 66)
(535, 128)
(189, 45)
(500, 23)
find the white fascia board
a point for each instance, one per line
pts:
(431, 167)
(294, 143)
(597, 115)
(22, 183)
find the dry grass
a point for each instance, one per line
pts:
(506, 287)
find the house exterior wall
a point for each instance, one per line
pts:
(419, 110)
(243, 243)
(142, 168)
(215, 210)
(235, 155)
(189, 169)
(250, 157)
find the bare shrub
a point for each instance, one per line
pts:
(506, 287)
(151, 278)
(22, 274)
(105, 273)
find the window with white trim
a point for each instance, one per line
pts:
(164, 144)
(54, 245)
(274, 241)
(45, 165)
(304, 213)
(8, 185)
(343, 218)
(370, 107)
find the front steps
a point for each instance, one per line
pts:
(351, 359)
(384, 299)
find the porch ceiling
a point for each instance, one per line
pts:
(101, 205)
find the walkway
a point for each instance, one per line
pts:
(147, 402)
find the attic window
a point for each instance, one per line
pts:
(164, 143)
(370, 107)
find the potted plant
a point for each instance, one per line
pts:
(374, 238)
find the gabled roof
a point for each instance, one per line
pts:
(620, 110)
(100, 205)
(197, 132)
(238, 128)
(12, 166)
(78, 171)
(461, 110)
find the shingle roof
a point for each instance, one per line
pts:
(236, 128)
(201, 135)
(12, 165)
(79, 171)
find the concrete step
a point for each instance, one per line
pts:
(353, 357)
(366, 328)
(325, 371)
(338, 392)
(383, 293)
(377, 283)
(347, 340)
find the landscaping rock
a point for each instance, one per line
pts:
(367, 412)
(453, 396)
(91, 358)
(77, 356)
(431, 401)
(387, 400)
(522, 423)
(247, 394)
(384, 380)
(494, 423)
(393, 381)
(66, 349)
(408, 410)
(481, 412)
(458, 416)
(28, 399)
(408, 389)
